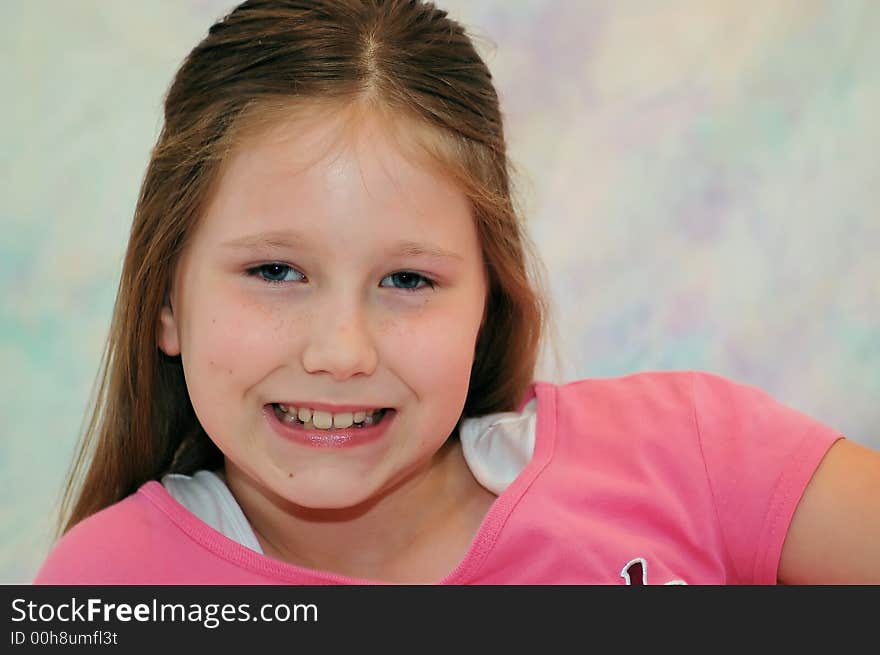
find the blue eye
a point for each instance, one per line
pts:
(276, 273)
(409, 281)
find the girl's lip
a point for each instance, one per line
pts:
(334, 438)
(333, 409)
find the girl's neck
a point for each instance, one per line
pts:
(416, 534)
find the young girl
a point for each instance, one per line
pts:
(320, 366)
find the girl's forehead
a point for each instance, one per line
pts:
(315, 166)
(300, 137)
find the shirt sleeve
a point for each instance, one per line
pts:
(759, 456)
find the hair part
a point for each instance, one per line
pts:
(266, 60)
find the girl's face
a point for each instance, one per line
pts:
(332, 272)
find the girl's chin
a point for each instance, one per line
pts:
(314, 491)
(329, 507)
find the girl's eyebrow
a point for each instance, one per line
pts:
(280, 240)
(270, 240)
(415, 249)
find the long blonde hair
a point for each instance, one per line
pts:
(406, 55)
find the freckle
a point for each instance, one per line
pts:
(230, 371)
(290, 475)
(212, 362)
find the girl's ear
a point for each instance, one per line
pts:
(168, 339)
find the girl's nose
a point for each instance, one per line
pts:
(340, 343)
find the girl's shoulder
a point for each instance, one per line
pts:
(106, 546)
(652, 398)
(716, 417)
(648, 384)
(701, 394)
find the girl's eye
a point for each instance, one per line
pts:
(276, 272)
(409, 281)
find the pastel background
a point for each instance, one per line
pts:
(700, 176)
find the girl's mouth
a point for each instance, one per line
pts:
(341, 431)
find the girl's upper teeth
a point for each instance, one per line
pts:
(326, 420)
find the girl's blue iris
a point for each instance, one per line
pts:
(276, 272)
(410, 281)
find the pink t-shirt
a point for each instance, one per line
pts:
(651, 478)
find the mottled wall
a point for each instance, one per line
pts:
(701, 177)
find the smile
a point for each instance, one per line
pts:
(311, 418)
(288, 426)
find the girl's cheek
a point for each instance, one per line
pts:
(239, 332)
(436, 340)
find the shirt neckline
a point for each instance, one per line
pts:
(481, 546)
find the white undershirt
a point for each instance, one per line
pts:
(496, 448)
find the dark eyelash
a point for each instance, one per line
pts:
(255, 271)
